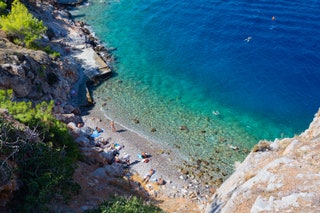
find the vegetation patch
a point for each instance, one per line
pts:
(20, 25)
(44, 152)
(128, 205)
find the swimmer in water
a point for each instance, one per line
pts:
(216, 113)
(248, 39)
(273, 18)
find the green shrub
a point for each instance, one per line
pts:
(130, 205)
(47, 49)
(21, 26)
(46, 167)
(52, 53)
(46, 174)
(55, 54)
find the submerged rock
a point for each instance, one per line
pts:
(183, 128)
(136, 121)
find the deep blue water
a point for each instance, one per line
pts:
(180, 61)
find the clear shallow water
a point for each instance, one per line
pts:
(179, 62)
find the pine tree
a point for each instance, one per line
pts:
(20, 25)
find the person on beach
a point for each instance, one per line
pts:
(112, 126)
(80, 124)
(148, 176)
(146, 160)
(160, 181)
(117, 159)
(126, 158)
(145, 155)
(99, 130)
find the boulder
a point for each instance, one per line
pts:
(83, 141)
(33, 75)
(67, 118)
(114, 170)
(68, 109)
(108, 156)
(100, 173)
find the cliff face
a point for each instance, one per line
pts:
(279, 176)
(33, 74)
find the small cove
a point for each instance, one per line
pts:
(180, 63)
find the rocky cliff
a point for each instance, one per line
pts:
(278, 176)
(33, 74)
(37, 75)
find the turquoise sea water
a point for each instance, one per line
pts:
(223, 69)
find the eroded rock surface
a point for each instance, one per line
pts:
(33, 75)
(283, 177)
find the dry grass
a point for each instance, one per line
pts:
(262, 146)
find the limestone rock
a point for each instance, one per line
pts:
(114, 170)
(67, 118)
(100, 173)
(83, 141)
(33, 75)
(284, 178)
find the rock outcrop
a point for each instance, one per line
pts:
(33, 75)
(279, 176)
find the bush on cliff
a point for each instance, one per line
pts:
(122, 204)
(21, 26)
(44, 153)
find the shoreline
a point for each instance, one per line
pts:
(188, 193)
(178, 193)
(134, 144)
